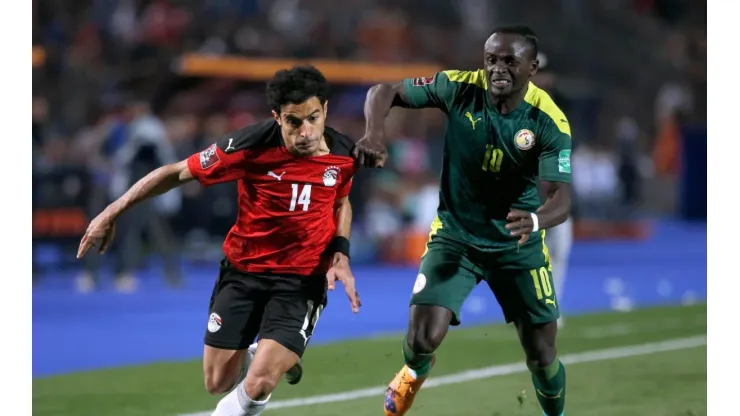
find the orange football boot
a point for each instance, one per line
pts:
(402, 390)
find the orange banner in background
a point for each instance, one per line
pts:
(59, 222)
(262, 69)
(258, 69)
(38, 56)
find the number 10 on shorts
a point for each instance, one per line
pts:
(541, 280)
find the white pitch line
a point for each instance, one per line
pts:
(496, 371)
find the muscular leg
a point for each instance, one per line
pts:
(250, 397)
(528, 301)
(289, 318)
(222, 368)
(446, 278)
(548, 373)
(427, 328)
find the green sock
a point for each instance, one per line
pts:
(420, 363)
(549, 385)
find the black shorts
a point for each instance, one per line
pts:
(283, 308)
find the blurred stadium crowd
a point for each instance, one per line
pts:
(628, 73)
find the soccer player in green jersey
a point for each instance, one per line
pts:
(504, 134)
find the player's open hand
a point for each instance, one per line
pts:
(340, 271)
(370, 151)
(99, 233)
(520, 224)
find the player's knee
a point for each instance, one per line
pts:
(541, 356)
(218, 382)
(259, 386)
(427, 340)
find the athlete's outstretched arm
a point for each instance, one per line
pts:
(221, 162)
(424, 92)
(370, 150)
(155, 183)
(378, 103)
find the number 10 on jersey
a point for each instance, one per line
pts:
(492, 159)
(300, 196)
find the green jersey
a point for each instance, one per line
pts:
(491, 160)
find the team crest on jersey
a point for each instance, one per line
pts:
(208, 157)
(330, 176)
(524, 139)
(421, 81)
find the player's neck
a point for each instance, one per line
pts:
(505, 105)
(323, 147)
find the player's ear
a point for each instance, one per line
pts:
(276, 116)
(535, 67)
(326, 108)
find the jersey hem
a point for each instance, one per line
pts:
(277, 269)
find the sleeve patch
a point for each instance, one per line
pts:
(564, 161)
(209, 157)
(420, 82)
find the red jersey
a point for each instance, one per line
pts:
(286, 203)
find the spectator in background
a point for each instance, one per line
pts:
(95, 145)
(145, 149)
(629, 159)
(39, 118)
(596, 185)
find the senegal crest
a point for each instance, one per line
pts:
(524, 139)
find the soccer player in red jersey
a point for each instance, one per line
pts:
(289, 244)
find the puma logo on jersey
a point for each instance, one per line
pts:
(550, 302)
(470, 117)
(276, 176)
(230, 147)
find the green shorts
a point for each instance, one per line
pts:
(521, 279)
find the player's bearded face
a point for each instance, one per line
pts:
(302, 126)
(508, 64)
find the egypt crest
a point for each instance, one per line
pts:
(524, 139)
(330, 176)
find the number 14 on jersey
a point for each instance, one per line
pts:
(301, 196)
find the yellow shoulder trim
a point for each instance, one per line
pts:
(477, 78)
(538, 98)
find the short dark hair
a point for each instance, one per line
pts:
(296, 85)
(524, 31)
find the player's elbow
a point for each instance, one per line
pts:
(388, 92)
(181, 170)
(381, 89)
